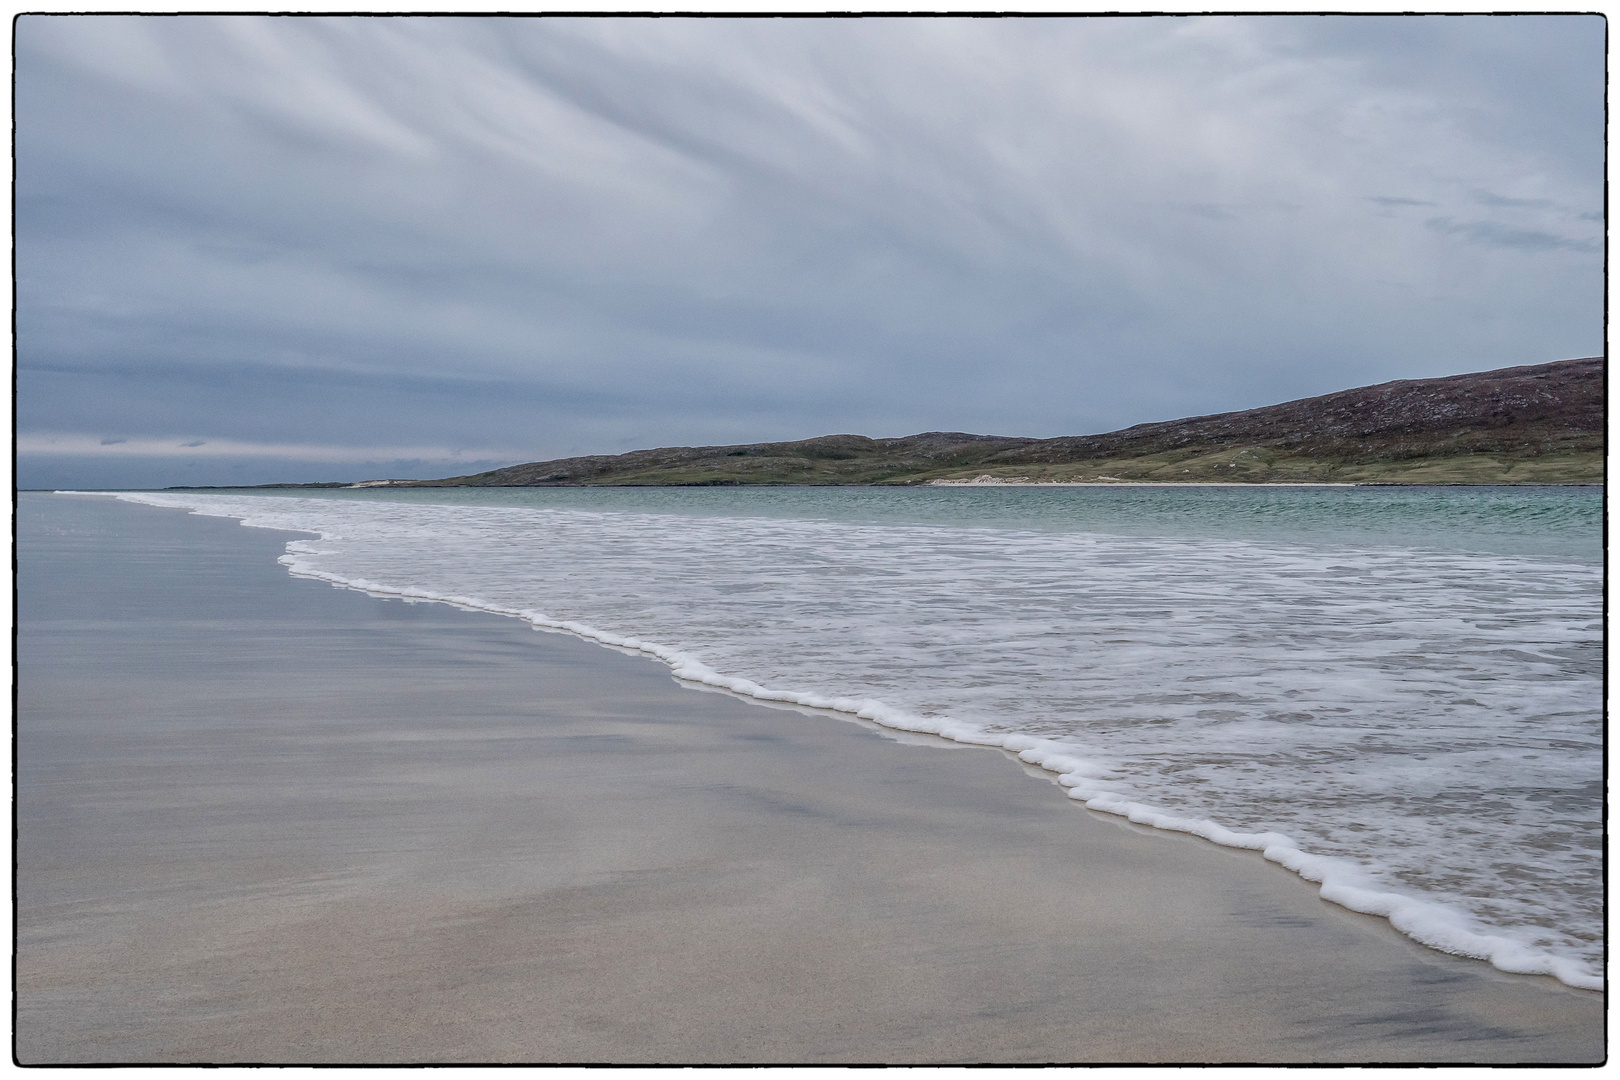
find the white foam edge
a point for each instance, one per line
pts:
(1440, 926)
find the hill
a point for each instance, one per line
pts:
(1537, 424)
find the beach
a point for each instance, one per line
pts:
(262, 819)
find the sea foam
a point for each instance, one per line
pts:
(1419, 732)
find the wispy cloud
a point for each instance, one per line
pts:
(79, 445)
(559, 234)
(1209, 211)
(1490, 199)
(1496, 234)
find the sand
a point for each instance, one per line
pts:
(261, 819)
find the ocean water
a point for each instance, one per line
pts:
(1395, 692)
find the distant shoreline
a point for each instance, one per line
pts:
(998, 482)
(415, 486)
(886, 487)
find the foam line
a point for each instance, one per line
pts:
(1440, 926)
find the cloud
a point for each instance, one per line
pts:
(1211, 211)
(564, 235)
(1496, 234)
(1490, 199)
(78, 445)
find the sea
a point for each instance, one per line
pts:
(1395, 692)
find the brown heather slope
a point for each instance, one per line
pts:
(1537, 424)
(1532, 409)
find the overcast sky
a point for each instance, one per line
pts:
(255, 249)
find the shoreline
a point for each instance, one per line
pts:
(1435, 924)
(412, 485)
(997, 482)
(909, 826)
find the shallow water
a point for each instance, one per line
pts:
(1395, 691)
(1539, 522)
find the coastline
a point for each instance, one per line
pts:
(624, 851)
(1436, 922)
(989, 481)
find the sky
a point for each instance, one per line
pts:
(323, 248)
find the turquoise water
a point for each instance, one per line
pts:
(1562, 523)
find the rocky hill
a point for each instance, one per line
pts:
(1536, 424)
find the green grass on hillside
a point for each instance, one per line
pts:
(1259, 465)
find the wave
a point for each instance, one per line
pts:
(1093, 782)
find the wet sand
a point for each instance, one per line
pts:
(261, 819)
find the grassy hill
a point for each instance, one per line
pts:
(1542, 424)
